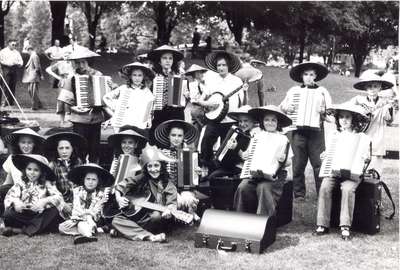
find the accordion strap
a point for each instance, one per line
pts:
(387, 190)
(282, 164)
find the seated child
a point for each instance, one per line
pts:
(349, 119)
(32, 205)
(88, 201)
(258, 194)
(155, 181)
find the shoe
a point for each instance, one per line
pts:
(159, 238)
(321, 230)
(114, 233)
(83, 239)
(345, 233)
(9, 231)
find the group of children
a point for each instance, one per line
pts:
(70, 196)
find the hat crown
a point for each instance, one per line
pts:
(152, 153)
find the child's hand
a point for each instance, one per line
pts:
(282, 158)
(245, 87)
(19, 206)
(232, 144)
(39, 206)
(166, 214)
(122, 202)
(290, 108)
(322, 155)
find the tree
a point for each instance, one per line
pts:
(4, 9)
(58, 9)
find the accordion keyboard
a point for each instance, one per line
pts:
(326, 166)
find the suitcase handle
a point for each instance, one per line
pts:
(220, 246)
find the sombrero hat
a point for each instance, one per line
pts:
(371, 78)
(195, 68)
(297, 71)
(80, 52)
(78, 142)
(244, 110)
(21, 161)
(115, 139)
(77, 174)
(12, 138)
(249, 74)
(352, 108)
(155, 54)
(233, 61)
(127, 69)
(152, 153)
(283, 119)
(161, 133)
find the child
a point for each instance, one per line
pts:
(307, 143)
(31, 205)
(258, 194)
(65, 150)
(349, 119)
(140, 99)
(88, 201)
(381, 112)
(155, 181)
(32, 76)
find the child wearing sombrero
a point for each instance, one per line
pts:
(155, 181)
(32, 205)
(258, 194)
(65, 151)
(380, 111)
(307, 143)
(349, 119)
(140, 101)
(88, 199)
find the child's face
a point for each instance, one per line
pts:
(309, 77)
(137, 77)
(245, 122)
(270, 122)
(199, 75)
(80, 65)
(222, 67)
(373, 89)
(33, 171)
(154, 169)
(128, 145)
(26, 144)
(64, 149)
(176, 136)
(166, 60)
(345, 119)
(91, 181)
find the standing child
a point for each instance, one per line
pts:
(31, 205)
(88, 201)
(308, 143)
(380, 111)
(350, 120)
(259, 194)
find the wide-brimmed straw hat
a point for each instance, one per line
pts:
(296, 73)
(115, 139)
(13, 138)
(369, 78)
(233, 61)
(195, 68)
(156, 54)
(21, 161)
(161, 133)
(81, 53)
(152, 153)
(78, 142)
(249, 74)
(259, 113)
(355, 110)
(126, 70)
(77, 174)
(244, 110)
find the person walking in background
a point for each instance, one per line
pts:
(54, 53)
(10, 60)
(195, 40)
(32, 76)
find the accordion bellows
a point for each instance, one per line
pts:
(91, 89)
(168, 91)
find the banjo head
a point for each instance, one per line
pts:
(219, 113)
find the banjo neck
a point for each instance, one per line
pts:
(226, 97)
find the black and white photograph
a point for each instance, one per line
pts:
(199, 135)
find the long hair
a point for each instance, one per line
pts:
(15, 150)
(129, 82)
(261, 121)
(357, 123)
(75, 159)
(164, 175)
(158, 69)
(42, 178)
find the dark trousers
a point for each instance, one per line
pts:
(223, 190)
(306, 144)
(210, 137)
(10, 76)
(3, 192)
(168, 113)
(33, 223)
(91, 132)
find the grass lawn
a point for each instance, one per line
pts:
(294, 248)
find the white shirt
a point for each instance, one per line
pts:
(10, 57)
(9, 168)
(54, 52)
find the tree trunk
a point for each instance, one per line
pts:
(238, 33)
(58, 9)
(160, 17)
(1, 30)
(92, 35)
(358, 62)
(302, 41)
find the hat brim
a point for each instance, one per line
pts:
(296, 73)
(259, 113)
(77, 174)
(191, 72)
(21, 161)
(235, 115)
(78, 142)
(155, 55)
(115, 139)
(127, 71)
(361, 116)
(161, 133)
(362, 85)
(249, 74)
(233, 61)
(12, 138)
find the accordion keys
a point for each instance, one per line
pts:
(91, 89)
(188, 162)
(168, 91)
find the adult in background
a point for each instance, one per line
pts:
(55, 53)
(259, 84)
(32, 76)
(196, 41)
(10, 60)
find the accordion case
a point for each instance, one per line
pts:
(235, 231)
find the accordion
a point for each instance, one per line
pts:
(345, 155)
(223, 153)
(168, 91)
(91, 89)
(125, 166)
(264, 152)
(307, 103)
(125, 114)
(188, 161)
